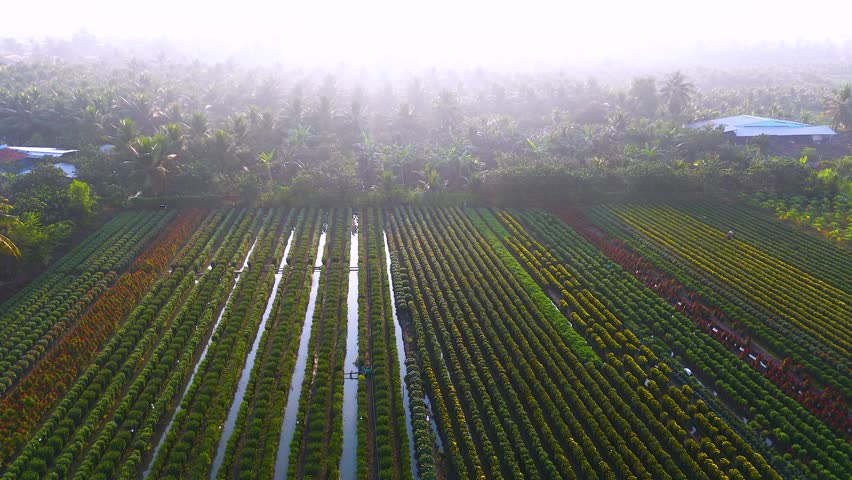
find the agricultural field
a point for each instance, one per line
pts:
(629, 341)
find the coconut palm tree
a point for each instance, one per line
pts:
(222, 150)
(174, 137)
(447, 109)
(198, 125)
(150, 161)
(142, 108)
(676, 92)
(7, 247)
(840, 108)
(323, 113)
(298, 142)
(643, 96)
(399, 158)
(370, 153)
(123, 136)
(28, 113)
(90, 124)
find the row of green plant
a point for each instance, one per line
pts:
(198, 425)
(391, 439)
(552, 367)
(643, 380)
(48, 452)
(760, 324)
(254, 454)
(120, 425)
(813, 255)
(162, 379)
(367, 447)
(40, 288)
(142, 346)
(73, 288)
(31, 329)
(39, 391)
(424, 443)
(78, 259)
(489, 227)
(818, 451)
(608, 333)
(318, 440)
(252, 430)
(816, 313)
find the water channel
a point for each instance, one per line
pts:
(288, 427)
(349, 459)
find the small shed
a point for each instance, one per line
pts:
(749, 126)
(20, 160)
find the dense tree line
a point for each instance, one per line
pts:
(186, 130)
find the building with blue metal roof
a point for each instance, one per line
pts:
(746, 126)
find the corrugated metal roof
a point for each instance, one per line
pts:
(735, 121)
(782, 131)
(752, 126)
(777, 123)
(39, 152)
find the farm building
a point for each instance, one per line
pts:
(39, 152)
(20, 160)
(749, 126)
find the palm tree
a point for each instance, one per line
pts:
(643, 93)
(124, 135)
(90, 123)
(447, 109)
(198, 125)
(26, 114)
(295, 107)
(323, 113)
(149, 161)
(458, 163)
(7, 247)
(142, 109)
(222, 150)
(840, 108)
(370, 153)
(173, 137)
(299, 143)
(401, 158)
(676, 92)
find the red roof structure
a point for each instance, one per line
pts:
(7, 155)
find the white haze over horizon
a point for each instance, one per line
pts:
(457, 32)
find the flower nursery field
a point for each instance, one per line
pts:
(617, 341)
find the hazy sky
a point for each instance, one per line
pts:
(440, 29)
